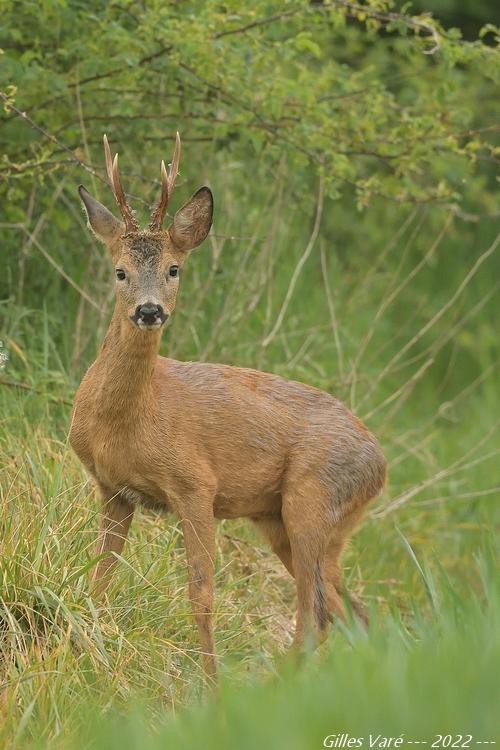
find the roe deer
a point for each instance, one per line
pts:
(212, 441)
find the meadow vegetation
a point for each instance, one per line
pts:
(352, 153)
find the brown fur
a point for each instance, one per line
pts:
(210, 441)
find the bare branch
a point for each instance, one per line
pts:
(298, 268)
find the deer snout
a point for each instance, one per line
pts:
(149, 314)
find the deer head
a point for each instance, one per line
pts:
(147, 262)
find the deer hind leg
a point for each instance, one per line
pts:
(335, 592)
(304, 517)
(274, 531)
(199, 540)
(116, 516)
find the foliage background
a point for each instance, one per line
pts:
(353, 152)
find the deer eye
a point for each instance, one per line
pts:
(120, 274)
(173, 271)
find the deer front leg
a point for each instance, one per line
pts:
(116, 516)
(199, 540)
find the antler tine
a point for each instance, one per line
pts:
(164, 179)
(109, 161)
(131, 224)
(167, 186)
(174, 169)
(161, 207)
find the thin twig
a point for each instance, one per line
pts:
(331, 310)
(298, 268)
(28, 387)
(456, 466)
(24, 116)
(367, 282)
(58, 268)
(261, 22)
(409, 344)
(387, 17)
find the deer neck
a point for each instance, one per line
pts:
(125, 367)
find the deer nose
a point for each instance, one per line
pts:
(150, 313)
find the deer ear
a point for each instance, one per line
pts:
(192, 222)
(102, 222)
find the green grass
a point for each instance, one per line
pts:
(416, 679)
(128, 676)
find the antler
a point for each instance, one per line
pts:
(131, 223)
(167, 187)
